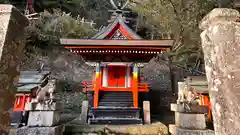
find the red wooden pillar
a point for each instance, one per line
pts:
(135, 86)
(97, 86)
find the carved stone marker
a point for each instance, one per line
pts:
(221, 47)
(12, 24)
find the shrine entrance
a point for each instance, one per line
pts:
(116, 94)
(116, 76)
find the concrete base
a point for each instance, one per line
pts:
(58, 130)
(43, 118)
(192, 108)
(190, 121)
(43, 107)
(174, 130)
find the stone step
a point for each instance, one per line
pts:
(114, 121)
(115, 112)
(116, 104)
(157, 128)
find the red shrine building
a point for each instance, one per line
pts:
(117, 53)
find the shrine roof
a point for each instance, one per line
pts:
(81, 43)
(119, 20)
(116, 35)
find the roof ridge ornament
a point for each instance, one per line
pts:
(120, 6)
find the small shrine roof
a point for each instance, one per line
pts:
(32, 77)
(27, 87)
(119, 20)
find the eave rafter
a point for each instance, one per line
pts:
(97, 51)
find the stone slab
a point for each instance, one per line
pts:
(192, 108)
(190, 121)
(156, 128)
(174, 130)
(30, 106)
(43, 118)
(57, 130)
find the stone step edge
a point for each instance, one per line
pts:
(130, 129)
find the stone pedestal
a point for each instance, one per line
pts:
(175, 130)
(190, 120)
(43, 118)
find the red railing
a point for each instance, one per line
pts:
(143, 87)
(88, 85)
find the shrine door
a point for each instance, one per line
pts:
(116, 76)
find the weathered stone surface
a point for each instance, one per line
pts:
(43, 107)
(149, 129)
(13, 131)
(12, 23)
(218, 15)
(190, 121)
(174, 130)
(43, 118)
(90, 134)
(221, 47)
(146, 112)
(58, 130)
(84, 113)
(191, 108)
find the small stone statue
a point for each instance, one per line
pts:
(186, 94)
(45, 94)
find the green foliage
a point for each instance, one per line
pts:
(3, 1)
(179, 18)
(49, 28)
(92, 9)
(68, 6)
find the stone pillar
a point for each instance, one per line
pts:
(221, 47)
(12, 24)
